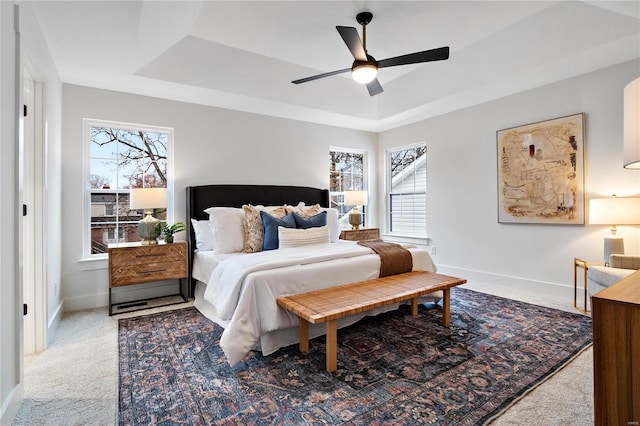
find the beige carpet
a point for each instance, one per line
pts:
(74, 382)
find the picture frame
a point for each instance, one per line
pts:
(541, 172)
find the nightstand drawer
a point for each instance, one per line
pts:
(144, 255)
(360, 234)
(145, 272)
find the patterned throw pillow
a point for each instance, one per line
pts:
(304, 210)
(252, 224)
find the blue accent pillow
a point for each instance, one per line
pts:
(270, 225)
(310, 222)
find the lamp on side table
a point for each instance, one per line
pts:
(148, 199)
(614, 211)
(355, 199)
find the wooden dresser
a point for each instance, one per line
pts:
(360, 234)
(136, 264)
(616, 353)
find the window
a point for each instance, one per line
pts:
(346, 173)
(407, 191)
(121, 156)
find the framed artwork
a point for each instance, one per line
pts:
(541, 172)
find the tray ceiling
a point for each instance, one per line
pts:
(243, 55)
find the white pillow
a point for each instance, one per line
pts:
(204, 234)
(292, 237)
(228, 232)
(332, 223)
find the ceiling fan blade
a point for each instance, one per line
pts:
(353, 42)
(438, 54)
(316, 77)
(374, 87)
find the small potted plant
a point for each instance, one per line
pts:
(167, 231)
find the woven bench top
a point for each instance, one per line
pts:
(336, 302)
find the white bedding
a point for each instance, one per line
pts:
(204, 262)
(241, 290)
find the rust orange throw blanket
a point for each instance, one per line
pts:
(394, 259)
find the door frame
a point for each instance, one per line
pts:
(34, 247)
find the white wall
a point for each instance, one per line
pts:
(212, 145)
(462, 187)
(10, 360)
(34, 51)
(37, 56)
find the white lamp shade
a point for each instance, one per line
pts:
(147, 198)
(614, 211)
(355, 198)
(632, 125)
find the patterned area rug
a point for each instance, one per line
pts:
(392, 369)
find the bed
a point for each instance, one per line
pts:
(238, 290)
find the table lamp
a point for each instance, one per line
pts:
(614, 211)
(148, 199)
(355, 199)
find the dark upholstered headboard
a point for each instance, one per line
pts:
(202, 197)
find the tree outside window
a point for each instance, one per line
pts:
(121, 158)
(346, 173)
(407, 191)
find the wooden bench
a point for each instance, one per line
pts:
(329, 304)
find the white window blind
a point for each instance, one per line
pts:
(407, 191)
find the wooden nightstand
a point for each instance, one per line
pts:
(136, 264)
(360, 234)
(615, 313)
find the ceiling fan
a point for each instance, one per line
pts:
(365, 67)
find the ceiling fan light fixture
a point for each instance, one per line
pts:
(364, 73)
(364, 69)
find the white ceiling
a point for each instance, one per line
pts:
(243, 55)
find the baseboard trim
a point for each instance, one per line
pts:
(12, 405)
(54, 322)
(555, 290)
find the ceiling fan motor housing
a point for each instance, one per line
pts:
(371, 61)
(364, 18)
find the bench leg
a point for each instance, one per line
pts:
(304, 335)
(332, 346)
(446, 307)
(414, 306)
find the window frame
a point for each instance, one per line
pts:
(87, 123)
(365, 179)
(404, 237)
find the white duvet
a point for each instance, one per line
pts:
(242, 290)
